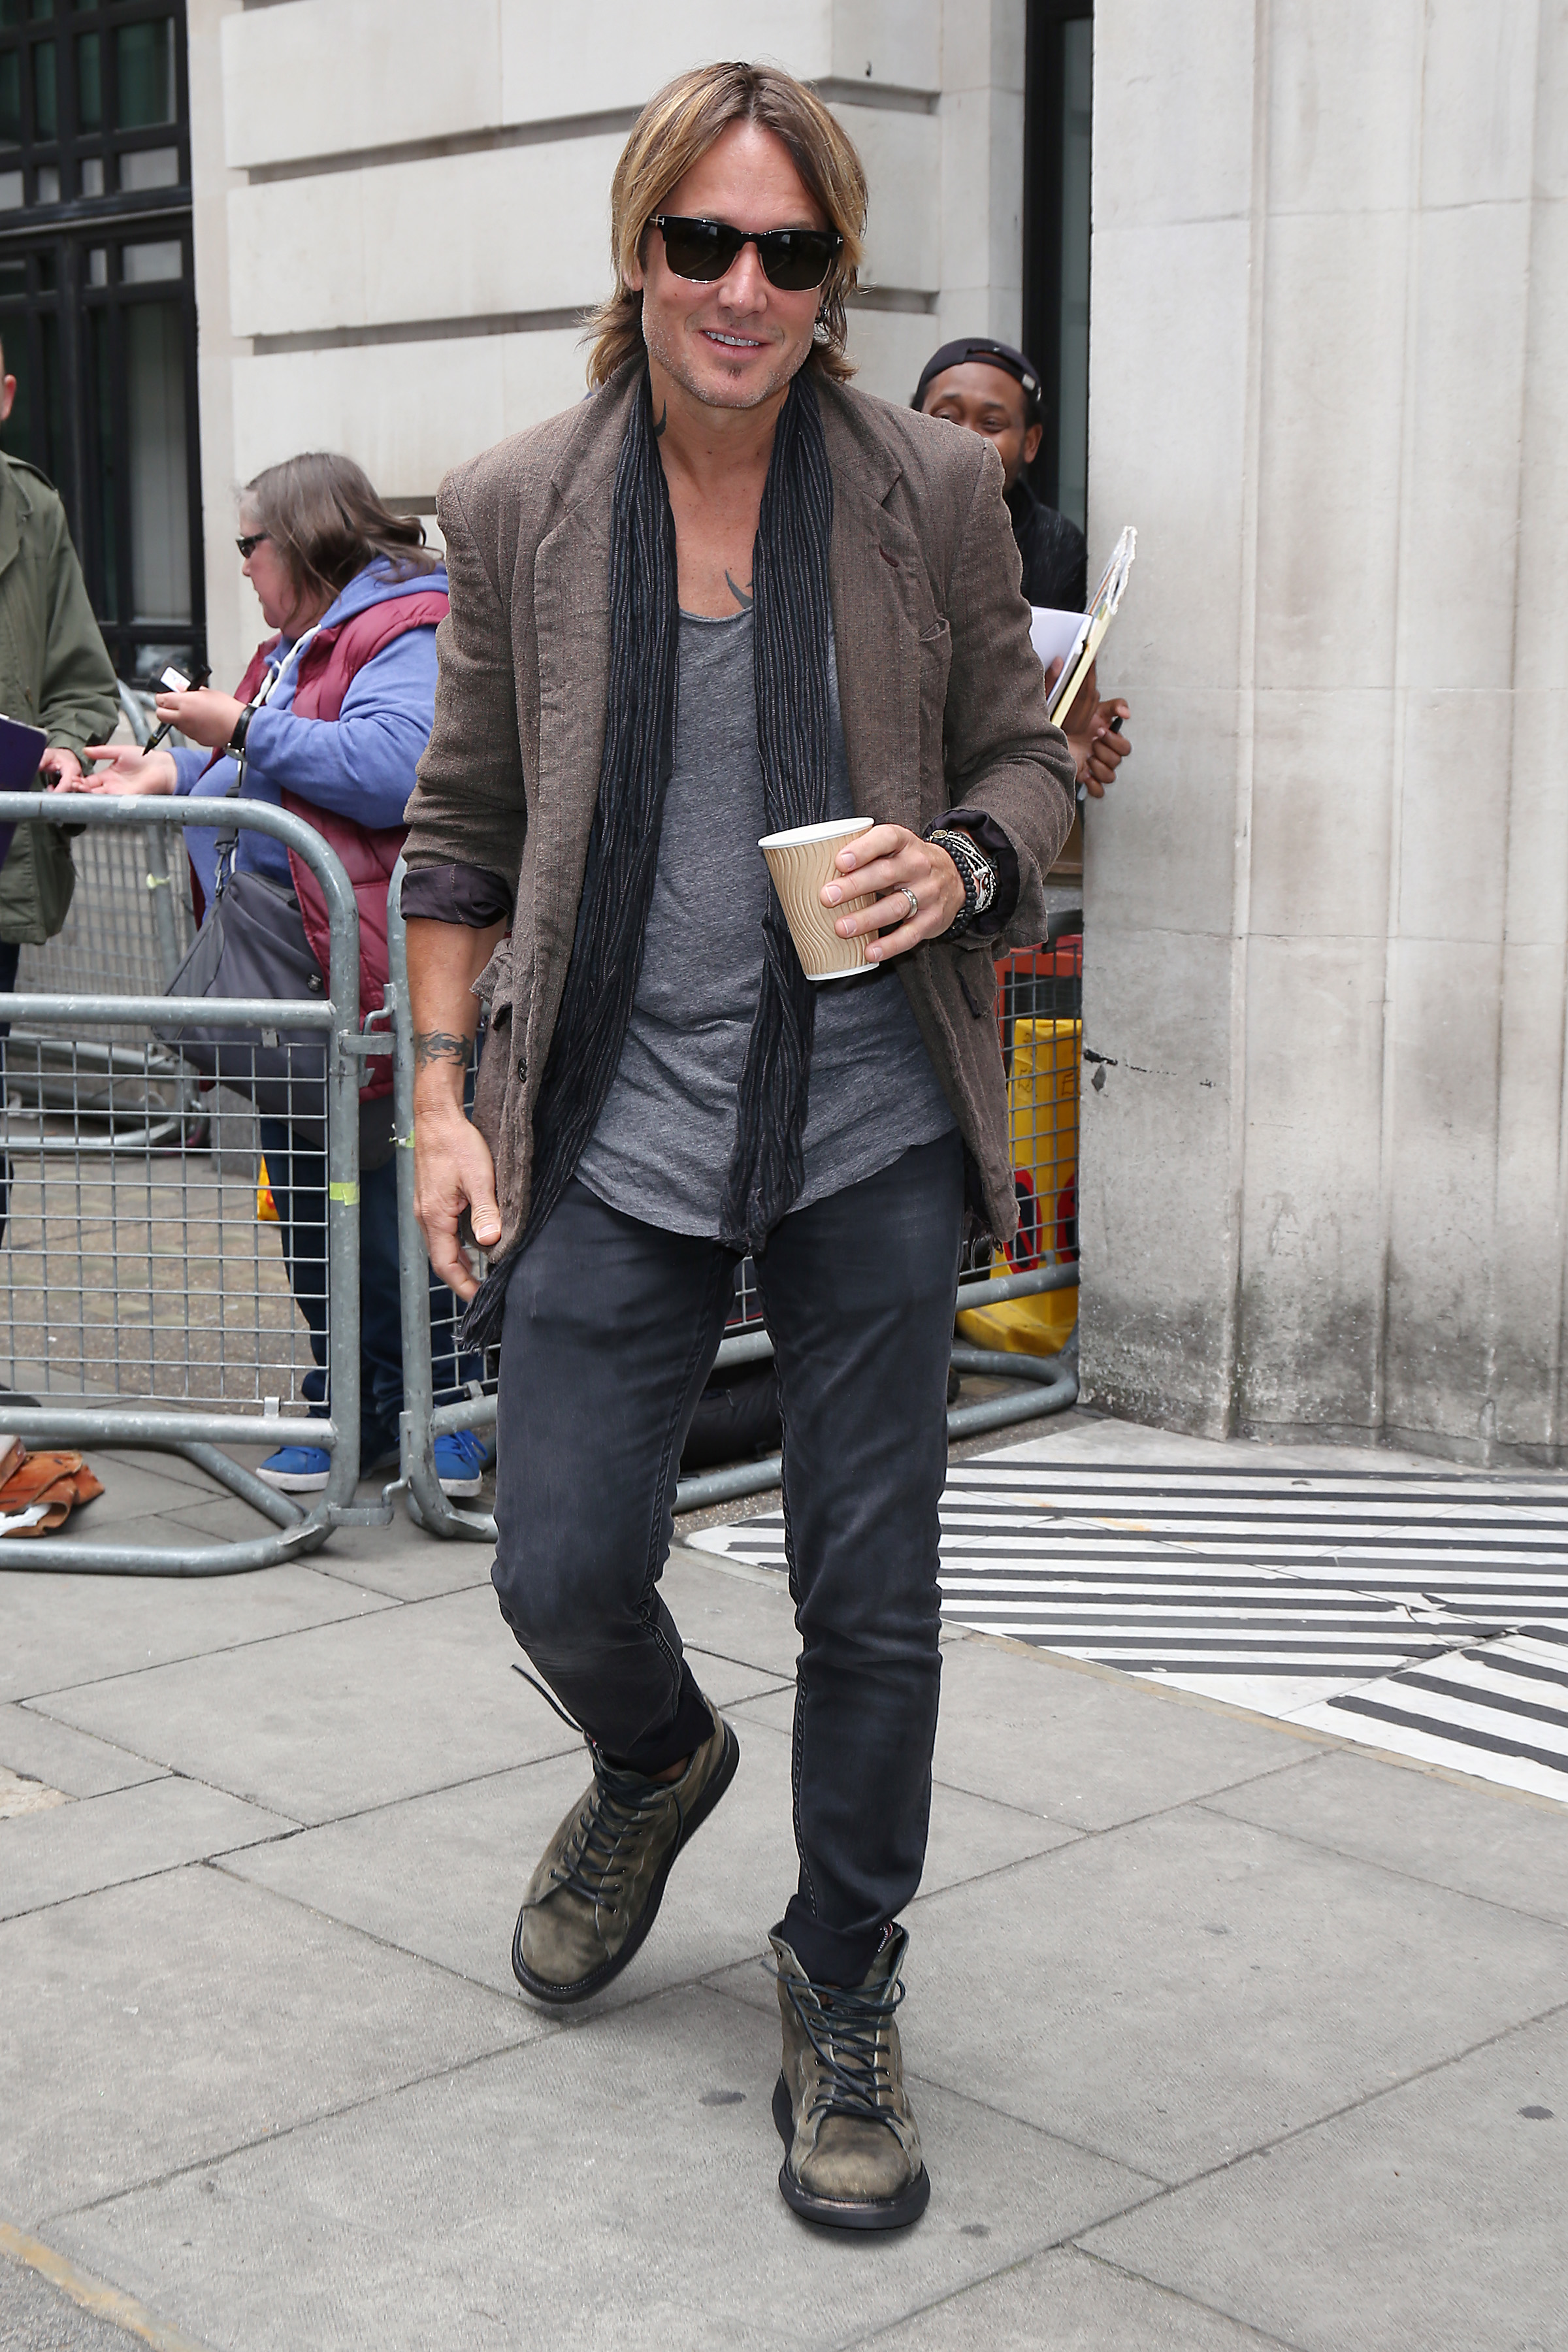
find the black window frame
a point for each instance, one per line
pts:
(1045, 161)
(51, 327)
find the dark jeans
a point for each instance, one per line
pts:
(299, 1180)
(10, 956)
(611, 1330)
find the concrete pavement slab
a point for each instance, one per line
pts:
(1185, 1989)
(98, 1842)
(1430, 2217)
(57, 1630)
(67, 1759)
(579, 2192)
(402, 1561)
(346, 1715)
(1064, 2301)
(1511, 1852)
(1084, 1748)
(161, 2024)
(443, 1875)
(748, 1616)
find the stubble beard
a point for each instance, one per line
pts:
(673, 358)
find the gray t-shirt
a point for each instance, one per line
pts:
(662, 1147)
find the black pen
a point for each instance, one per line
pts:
(176, 683)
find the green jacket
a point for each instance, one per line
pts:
(53, 674)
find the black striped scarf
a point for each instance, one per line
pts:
(791, 637)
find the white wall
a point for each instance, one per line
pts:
(408, 210)
(1328, 909)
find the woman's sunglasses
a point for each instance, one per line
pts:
(250, 543)
(704, 250)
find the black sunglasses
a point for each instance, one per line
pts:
(704, 250)
(249, 544)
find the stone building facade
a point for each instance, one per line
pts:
(1327, 906)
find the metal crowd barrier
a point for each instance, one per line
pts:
(141, 1301)
(1049, 1383)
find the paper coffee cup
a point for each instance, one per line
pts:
(801, 862)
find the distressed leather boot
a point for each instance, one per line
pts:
(852, 2145)
(601, 1879)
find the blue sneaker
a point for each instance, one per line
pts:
(461, 1458)
(298, 1469)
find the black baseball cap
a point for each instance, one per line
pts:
(1016, 364)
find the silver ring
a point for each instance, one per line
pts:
(914, 902)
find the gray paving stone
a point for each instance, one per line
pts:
(171, 2020)
(1477, 1841)
(1026, 1729)
(1064, 2301)
(576, 2193)
(443, 1875)
(402, 1561)
(346, 1716)
(57, 1630)
(34, 1743)
(98, 1842)
(1178, 1991)
(1431, 2217)
(748, 1615)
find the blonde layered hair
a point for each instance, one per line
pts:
(675, 130)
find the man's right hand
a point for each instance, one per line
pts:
(453, 1171)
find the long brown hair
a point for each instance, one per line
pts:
(324, 517)
(675, 131)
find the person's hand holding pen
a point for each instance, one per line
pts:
(201, 715)
(1093, 728)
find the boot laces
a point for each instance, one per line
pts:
(845, 2028)
(616, 1809)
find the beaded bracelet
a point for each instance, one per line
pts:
(975, 872)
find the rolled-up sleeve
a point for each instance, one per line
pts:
(470, 895)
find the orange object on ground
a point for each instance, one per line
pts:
(43, 1492)
(266, 1206)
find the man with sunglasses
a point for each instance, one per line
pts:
(723, 597)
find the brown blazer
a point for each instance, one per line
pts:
(942, 697)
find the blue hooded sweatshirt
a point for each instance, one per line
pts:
(360, 763)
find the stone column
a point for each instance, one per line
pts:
(1327, 904)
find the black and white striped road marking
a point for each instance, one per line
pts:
(1422, 1611)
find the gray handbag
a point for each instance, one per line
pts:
(253, 944)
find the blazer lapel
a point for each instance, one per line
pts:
(572, 617)
(872, 558)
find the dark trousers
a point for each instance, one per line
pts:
(611, 1330)
(298, 1176)
(10, 957)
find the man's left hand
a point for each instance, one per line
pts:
(1102, 753)
(201, 716)
(60, 766)
(889, 860)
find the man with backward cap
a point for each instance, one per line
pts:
(995, 390)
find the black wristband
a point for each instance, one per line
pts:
(970, 862)
(234, 746)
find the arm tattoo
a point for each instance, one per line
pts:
(440, 1045)
(664, 420)
(742, 596)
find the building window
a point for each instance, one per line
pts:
(98, 305)
(1059, 93)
